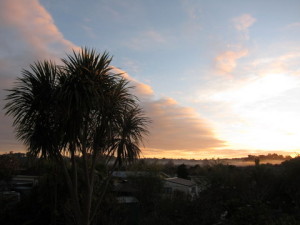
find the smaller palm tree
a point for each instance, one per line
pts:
(129, 135)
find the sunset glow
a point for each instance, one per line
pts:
(264, 104)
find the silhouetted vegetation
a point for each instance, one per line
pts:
(182, 171)
(258, 194)
(76, 114)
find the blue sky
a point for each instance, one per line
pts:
(218, 78)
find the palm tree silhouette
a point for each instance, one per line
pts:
(80, 109)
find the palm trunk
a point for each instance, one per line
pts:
(87, 196)
(104, 189)
(53, 217)
(73, 193)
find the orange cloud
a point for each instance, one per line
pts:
(226, 61)
(33, 25)
(28, 33)
(140, 89)
(176, 127)
(286, 63)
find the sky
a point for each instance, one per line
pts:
(219, 79)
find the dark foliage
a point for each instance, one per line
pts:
(260, 195)
(182, 171)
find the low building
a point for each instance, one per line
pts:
(202, 182)
(176, 184)
(23, 183)
(10, 197)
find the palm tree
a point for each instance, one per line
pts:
(129, 134)
(32, 103)
(81, 109)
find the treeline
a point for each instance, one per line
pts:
(261, 195)
(249, 158)
(270, 156)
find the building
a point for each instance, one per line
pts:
(23, 183)
(176, 184)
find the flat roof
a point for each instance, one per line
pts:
(180, 181)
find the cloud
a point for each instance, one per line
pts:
(193, 11)
(32, 25)
(243, 22)
(226, 62)
(144, 91)
(131, 65)
(174, 127)
(286, 63)
(146, 40)
(89, 31)
(293, 25)
(258, 89)
(266, 104)
(27, 34)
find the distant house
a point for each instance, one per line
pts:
(201, 181)
(33, 180)
(174, 184)
(171, 184)
(126, 174)
(18, 187)
(24, 183)
(11, 197)
(125, 192)
(164, 175)
(126, 196)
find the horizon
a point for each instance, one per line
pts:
(218, 80)
(190, 159)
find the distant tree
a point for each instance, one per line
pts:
(182, 171)
(291, 179)
(196, 170)
(9, 164)
(145, 166)
(169, 167)
(75, 114)
(149, 188)
(257, 161)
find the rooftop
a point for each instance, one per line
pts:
(180, 181)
